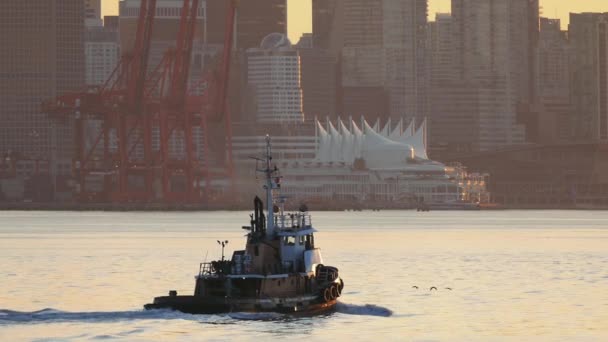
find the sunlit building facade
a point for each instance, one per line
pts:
(588, 33)
(274, 80)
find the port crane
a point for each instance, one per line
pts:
(126, 131)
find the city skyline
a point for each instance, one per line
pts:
(486, 81)
(303, 24)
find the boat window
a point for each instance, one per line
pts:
(310, 242)
(256, 250)
(302, 239)
(289, 240)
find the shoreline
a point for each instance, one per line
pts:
(156, 207)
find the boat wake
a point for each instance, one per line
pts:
(261, 316)
(52, 315)
(363, 310)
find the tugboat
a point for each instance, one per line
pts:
(280, 269)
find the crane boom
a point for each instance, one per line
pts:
(183, 52)
(140, 54)
(224, 76)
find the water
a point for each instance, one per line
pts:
(515, 275)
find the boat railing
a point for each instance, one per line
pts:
(295, 221)
(215, 268)
(205, 269)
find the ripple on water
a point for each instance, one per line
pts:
(132, 257)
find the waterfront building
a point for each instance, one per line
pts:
(588, 33)
(558, 176)
(348, 162)
(273, 77)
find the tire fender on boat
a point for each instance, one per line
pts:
(327, 294)
(335, 293)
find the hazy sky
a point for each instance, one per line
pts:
(300, 11)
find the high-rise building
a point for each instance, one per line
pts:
(92, 9)
(42, 57)
(92, 12)
(555, 120)
(553, 51)
(454, 103)
(111, 22)
(274, 79)
(165, 30)
(255, 20)
(102, 53)
(319, 82)
(364, 102)
(305, 41)
(497, 38)
(323, 20)
(439, 47)
(363, 23)
(588, 34)
(494, 45)
(404, 42)
(381, 44)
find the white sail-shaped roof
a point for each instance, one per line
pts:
(397, 131)
(376, 125)
(324, 148)
(358, 139)
(348, 143)
(382, 153)
(336, 144)
(418, 141)
(345, 145)
(410, 130)
(386, 131)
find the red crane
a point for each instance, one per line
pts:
(135, 105)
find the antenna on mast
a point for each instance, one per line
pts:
(269, 188)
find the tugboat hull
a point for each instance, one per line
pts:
(216, 305)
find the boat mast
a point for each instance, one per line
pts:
(269, 188)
